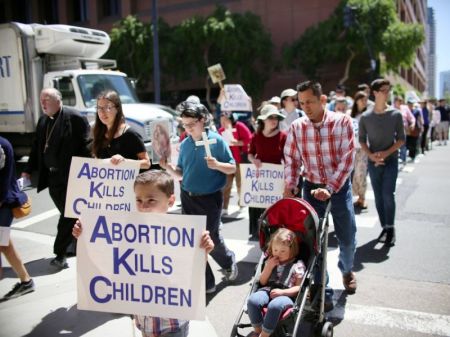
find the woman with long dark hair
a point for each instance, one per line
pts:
(112, 136)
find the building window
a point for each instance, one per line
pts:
(78, 10)
(108, 9)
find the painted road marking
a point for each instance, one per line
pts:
(35, 219)
(422, 322)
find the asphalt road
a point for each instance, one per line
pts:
(402, 291)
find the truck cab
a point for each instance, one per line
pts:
(67, 58)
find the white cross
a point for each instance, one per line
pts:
(205, 142)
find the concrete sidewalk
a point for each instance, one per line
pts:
(51, 310)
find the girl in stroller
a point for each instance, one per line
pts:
(279, 282)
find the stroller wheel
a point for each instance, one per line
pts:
(327, 330)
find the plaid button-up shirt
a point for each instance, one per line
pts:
(324, 153)
(156, 326)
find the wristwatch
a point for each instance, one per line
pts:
(329, 189)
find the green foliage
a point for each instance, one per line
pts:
(131, 46)
(186, 50)
(398, 90)
(377, 25)
(401, 42)
(219, 38)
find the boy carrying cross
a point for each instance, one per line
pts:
(205, 160)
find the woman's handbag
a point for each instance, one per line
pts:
(22, 210)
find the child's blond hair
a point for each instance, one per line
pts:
(285, 237)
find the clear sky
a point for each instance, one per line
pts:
(442, 18)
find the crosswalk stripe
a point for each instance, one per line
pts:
(422, 322)
(409, 320)
(35, 219)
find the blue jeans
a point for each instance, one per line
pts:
(275, 308)
(344, 220)
(383, 179)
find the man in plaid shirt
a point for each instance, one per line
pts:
(320, 147)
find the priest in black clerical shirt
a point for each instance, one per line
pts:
(61, 133)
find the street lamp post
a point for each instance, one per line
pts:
(350, 19)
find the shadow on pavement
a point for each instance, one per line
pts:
(35, 268)
(246, 272)
(368, 253)
(70, 322)
(337, 315)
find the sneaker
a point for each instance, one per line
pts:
(19, 289)
(382, 237)
(211, 290)
(232, 273)
(59, 262)
(349, 281)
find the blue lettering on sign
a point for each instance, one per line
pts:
(5, 70)
(96, 233)
(122, 260)
(94, 281)
(80, 203)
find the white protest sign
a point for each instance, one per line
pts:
(261, 187)
(142, 263)
(216, 73)
(4, 236)
(236, 99)
(228, 136)
(98, 184)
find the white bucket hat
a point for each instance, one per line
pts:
(288, 93)
(269, 110)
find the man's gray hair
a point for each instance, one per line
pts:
(53, 93)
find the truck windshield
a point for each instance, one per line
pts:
(93, 84)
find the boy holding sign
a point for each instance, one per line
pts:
(154, 191)
(205, 160)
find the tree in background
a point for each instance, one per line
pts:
(131, 46)
(239, 42)
(374, 31)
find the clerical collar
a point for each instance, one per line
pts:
(55, 116)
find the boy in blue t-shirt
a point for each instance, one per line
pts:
(203, 180)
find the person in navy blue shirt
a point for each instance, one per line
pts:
(203, 179)
(426, 126)
(11, 196)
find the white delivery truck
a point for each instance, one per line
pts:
(34, 56)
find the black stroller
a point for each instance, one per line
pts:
(307, 316)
